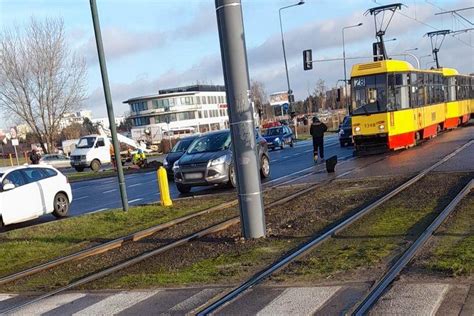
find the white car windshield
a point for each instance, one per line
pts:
(86, 142)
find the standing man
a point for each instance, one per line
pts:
(317, 131)
(34, 157)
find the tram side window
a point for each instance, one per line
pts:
(451, 89)
(413, 90)
(398, 93)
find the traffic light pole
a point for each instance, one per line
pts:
(108, 102)
(236, 77)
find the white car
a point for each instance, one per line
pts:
(56, 160)
(27, 192)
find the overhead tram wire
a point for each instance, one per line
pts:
(428, 25)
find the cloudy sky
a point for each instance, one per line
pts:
(157, 44)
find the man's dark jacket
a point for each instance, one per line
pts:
(317, 129)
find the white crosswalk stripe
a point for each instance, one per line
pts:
(411, 299)
(299, 301)
(48, 304)
(195, 300)
(116, 303)
(4, 297)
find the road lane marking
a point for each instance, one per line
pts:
(134, 185)
(195, 300)
(411, 299)
(114, 304)
(49, 304)
(108, 191)
(136, 200)
(80, 198)
(299, 301)
(97, 211)
(4, 297)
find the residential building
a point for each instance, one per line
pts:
(75, 117)
(104, 121)
(178, 111)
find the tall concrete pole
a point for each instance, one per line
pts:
(108, 102)
(236, 77)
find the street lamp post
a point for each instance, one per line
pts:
(290, 92)
(344, 59)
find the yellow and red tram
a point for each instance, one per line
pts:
(395, 105)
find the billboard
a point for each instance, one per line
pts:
(278, 98)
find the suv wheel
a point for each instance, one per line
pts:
(61, 205)
(182, 188)
(282, 144)
(292, 143)
(264, 166)
(95, 165)
(232, 178)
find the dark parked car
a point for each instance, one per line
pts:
(279, 137)
(178, 150)
(345, 132)
(208, 161)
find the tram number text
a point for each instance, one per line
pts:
(359, 82)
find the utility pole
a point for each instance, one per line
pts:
(236, 77)
(344, 58)
(291, 98)
(108, 102)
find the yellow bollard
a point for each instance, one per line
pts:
(164, 188)
(11, 160)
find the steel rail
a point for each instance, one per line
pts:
(372, 297)
(142, 234)
(212, 229)
(260, 276)
(119, 242)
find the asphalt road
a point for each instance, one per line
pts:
(103, 194)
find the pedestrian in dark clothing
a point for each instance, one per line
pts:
(317, 131)
(34, 157)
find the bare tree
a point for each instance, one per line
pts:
(258, 96)
(40, 78)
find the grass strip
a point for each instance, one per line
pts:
(453, 250)
(225, 258)
(30, 246)
(380, 236)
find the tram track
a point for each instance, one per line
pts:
(386, 280)
(299, 251)
(120, 242)
(142, 234)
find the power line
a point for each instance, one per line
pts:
(428, 25)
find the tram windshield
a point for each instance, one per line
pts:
(369, 94)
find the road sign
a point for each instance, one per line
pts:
(15, 142)
(286, 107)
(13, 132)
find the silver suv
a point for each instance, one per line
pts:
(208, 161)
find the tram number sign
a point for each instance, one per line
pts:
(359, 82)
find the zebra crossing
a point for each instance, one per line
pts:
(402, 299)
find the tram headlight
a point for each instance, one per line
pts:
(357, 129)
(381, 127)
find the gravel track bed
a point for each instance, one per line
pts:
(64, 274)
(224, 257)
(363, 251)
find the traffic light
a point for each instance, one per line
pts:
(338, 98)
(307, 59)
